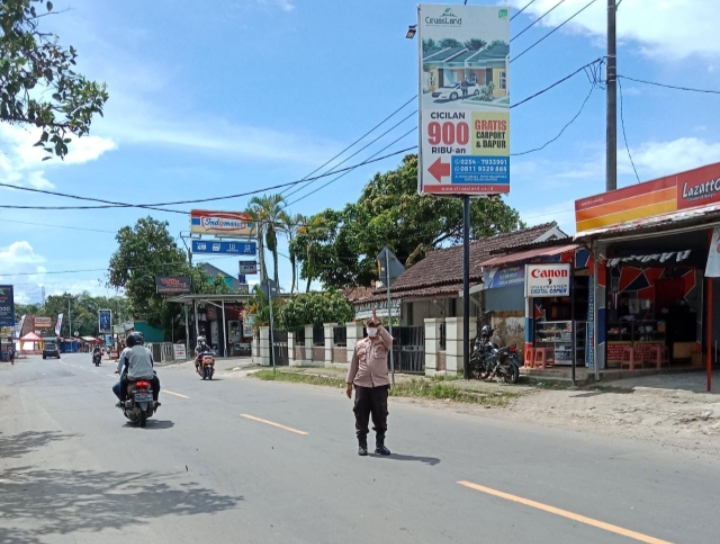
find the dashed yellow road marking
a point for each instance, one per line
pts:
(278, 425)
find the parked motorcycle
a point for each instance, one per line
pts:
(206, 369)
(96, 359)
(488, 359)
(139, 405)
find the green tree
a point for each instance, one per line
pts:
(83, 311)
(340, 248)
(314, 309)
(144, 252)
(269, 214)
(327, 251)
(294, 224)
(259, 308)
(475, 44)
(428, 45)
(450, 43)
(25, 309)
(38, 83)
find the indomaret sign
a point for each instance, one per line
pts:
(464, 93)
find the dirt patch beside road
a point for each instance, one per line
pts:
(668, 409)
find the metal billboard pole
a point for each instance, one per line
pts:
(466, 286)
(390, 323)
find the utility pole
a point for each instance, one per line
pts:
(611, 83)
(466, 286)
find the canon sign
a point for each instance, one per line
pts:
(547, 280)
(537, 273)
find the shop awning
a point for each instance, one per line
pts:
(31, 337)
(695, 218)
(530, 255)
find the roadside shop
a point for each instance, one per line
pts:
(548, 285)
(651, 244)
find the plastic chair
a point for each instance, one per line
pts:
(543, 358)
(660, 356)
(631, 358)
(530, 357)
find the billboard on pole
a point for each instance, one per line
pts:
(464, 69)
(7, 306)
(221, 223)
(105, 322)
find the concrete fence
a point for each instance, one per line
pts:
(333, 345)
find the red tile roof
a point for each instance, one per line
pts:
(444, 267)
(354, 294)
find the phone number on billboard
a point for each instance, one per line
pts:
(481, 169)
(483, 162)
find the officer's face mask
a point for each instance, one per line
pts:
(372, 332)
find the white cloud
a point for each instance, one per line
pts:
(217, 136)
(22, 163)
(23, 267)
(656, 159)
(673, 29)
(561, 212)
(285, 5)
(20, 258)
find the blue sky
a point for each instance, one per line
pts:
(249, 93)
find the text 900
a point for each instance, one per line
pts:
(4, 308)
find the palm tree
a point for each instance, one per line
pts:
(294, 224)
(268, 213)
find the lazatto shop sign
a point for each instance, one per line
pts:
(686, 190)
(221, 223)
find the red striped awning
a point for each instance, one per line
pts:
(529, 255)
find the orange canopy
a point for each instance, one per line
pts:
(31, 337)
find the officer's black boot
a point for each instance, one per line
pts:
(380, 448)
(362, 446)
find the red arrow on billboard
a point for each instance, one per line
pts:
(439, 169)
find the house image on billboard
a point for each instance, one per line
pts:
(484, 68)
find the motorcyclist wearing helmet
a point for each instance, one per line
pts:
(201, 348)
(136, 363)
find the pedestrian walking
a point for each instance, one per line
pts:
(369, 375)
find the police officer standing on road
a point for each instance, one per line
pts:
(369, 374)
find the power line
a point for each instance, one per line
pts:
(666, 86)
(359, 139)
(195, 201)
(530, 3)
(84, 229)
(106, 269)
(536, 21)
(566, 21)
(582, 107)
(341, 175)
(622, 121)
(563, 80)
(112, 204)
(300, 188)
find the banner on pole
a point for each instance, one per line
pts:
(464, 94)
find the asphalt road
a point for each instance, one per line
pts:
(239, 460)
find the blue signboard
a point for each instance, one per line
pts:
(7, 306)
(492, 171)
(224, 248)
(496, 278)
